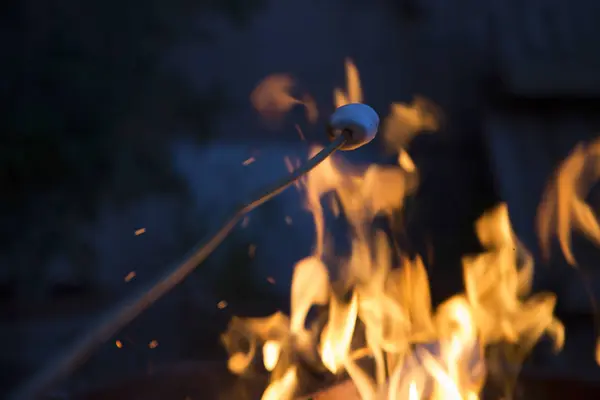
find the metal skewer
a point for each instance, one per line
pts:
(350, 127)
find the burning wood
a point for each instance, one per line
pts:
(376, 322)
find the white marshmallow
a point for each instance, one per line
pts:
(360, 120)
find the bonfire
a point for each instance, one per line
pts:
(375, 326)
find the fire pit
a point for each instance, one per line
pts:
(211, 380)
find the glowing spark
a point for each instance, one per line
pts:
(290, 167)
(245, 222)
(299, 132)
(129, 276)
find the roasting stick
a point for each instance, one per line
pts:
(350, 127)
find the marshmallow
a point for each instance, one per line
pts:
(357, 121)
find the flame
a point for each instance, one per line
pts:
(564, 208)
(405, 121)
(271, 351)
(283, 388)
(272, 98)
(337, 334)
(353, 92)
(381, 328)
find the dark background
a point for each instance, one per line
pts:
(121, 115)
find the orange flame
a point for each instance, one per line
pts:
(272, 98)
(353, 92)
(415, 351)
(564, 208)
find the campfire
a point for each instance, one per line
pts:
(366, 317)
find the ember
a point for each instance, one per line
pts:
(380, 328)
(222, 304)
(129, 276)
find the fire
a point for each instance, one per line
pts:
(273, 98)
(271, 351)
(353, 92)
(380, 326)
(564, 207)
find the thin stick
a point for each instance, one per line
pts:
(124, 313)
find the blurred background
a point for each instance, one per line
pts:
(127, 126)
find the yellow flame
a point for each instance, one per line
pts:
(272, 98)
(381, 311)
(337, 334)
(271, 351)
(310, 286)
(353, 92)
(405, 121)
(413, 392)
(564, 208)
(282, 388)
